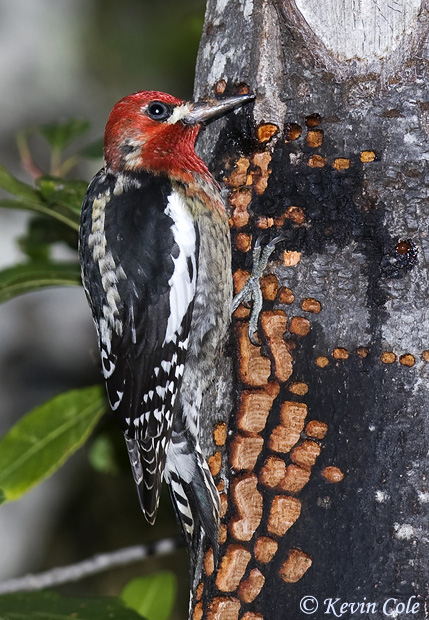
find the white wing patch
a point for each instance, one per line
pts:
(183, 280)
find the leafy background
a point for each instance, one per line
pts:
(62, 67)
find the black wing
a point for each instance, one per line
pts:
(138, 247)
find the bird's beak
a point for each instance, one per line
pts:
(205, 110)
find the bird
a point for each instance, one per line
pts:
(155, 254)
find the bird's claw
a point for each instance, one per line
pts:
(251, 291)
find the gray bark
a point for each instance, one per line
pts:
(361, 178)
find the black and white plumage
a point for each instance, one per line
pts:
(139, 246)
(156, 267)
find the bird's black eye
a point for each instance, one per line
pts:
(158, 111)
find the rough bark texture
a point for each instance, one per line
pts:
(324, 473)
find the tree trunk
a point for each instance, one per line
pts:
(323, 476)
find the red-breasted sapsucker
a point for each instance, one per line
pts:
(156, 267)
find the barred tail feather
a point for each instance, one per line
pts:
(147, 475)
(193, 493)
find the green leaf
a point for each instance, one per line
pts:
(66, 215)
(60, 135)
(35, 243)
(68, 194)
(34, 276)
(17, 188)
(152, 596)
(44, 439)
(102, 455)
(41, 233)
(44, 605)
(56, 198)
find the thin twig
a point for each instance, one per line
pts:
(97, 564)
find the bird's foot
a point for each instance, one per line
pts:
(251, 291)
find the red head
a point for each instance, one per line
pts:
(154, 131)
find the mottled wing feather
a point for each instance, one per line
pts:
(138, 247)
